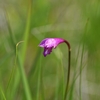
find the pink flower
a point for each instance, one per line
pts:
(49, 43)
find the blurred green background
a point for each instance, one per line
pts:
(25, 74)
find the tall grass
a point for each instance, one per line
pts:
(25, 74)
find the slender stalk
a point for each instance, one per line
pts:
(21, 56)
(42, 84)
(80, 80)
(39, 79)
(27, 31)
(25, 82)
(2, 93)
(62, 70)
(68, 75)
(74, 76)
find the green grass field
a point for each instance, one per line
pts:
(25, 74)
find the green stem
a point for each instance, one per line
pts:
(75, 72)
(27, 31)
(38, 84)
(25, 83)
(68, 76)
(22, 57)
(42, 84)
(39, 79)
(4, 98)
(63, 83)
(80, 81)
(24, 79)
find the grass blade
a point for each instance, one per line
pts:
(27, 31)
(21, 69)
(3, 95)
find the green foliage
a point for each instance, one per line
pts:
(25, 74)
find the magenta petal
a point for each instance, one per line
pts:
(42, 44)
(58, 41)
(47, 51)
(49, 43)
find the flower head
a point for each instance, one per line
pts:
(49, 43)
